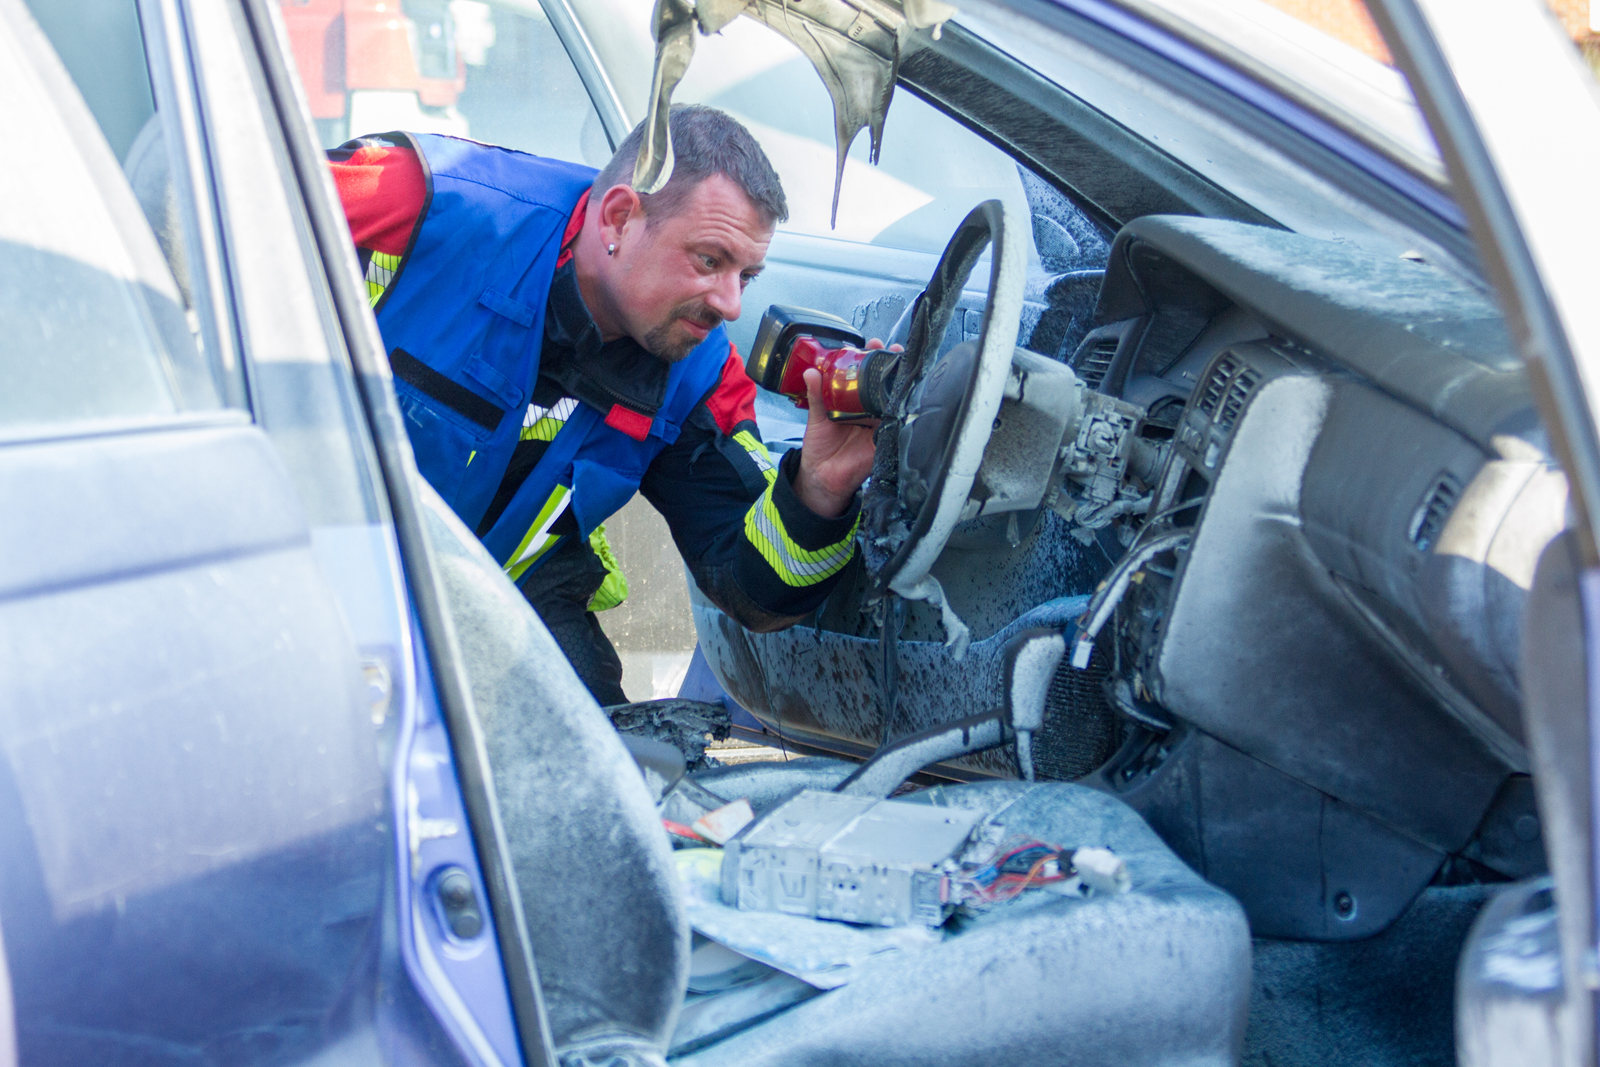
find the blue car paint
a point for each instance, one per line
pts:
(461, 982)
(191, 812)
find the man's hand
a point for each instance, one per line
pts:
(835, 457)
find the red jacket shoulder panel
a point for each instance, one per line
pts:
(734, 399)
(383, 191)
(570, 236)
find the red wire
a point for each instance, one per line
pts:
(1017, 884)
(682, 830)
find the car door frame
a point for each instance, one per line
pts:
(374, 386)
(1522, 154)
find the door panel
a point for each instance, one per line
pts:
(209, 681)
(191, 802)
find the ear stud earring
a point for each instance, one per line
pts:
(611, 250)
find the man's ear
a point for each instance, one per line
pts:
(618, 205)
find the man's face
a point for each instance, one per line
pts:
(679, 277)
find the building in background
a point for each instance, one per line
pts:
(1348, 21)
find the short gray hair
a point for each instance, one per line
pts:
(705, 141)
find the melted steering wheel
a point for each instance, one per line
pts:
(941, 413)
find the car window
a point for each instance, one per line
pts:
(498, 72)
(931, 172)
(495, 72)
(1328, 56)
(1350, 23)
(92, 325)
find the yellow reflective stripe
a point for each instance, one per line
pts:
(796, 566)
(758, 454)
(614, 590)
(542, 424)
(380, 272)
(539, 539)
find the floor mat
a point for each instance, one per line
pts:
(1387, 1001)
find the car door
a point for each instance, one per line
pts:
(1522, 153)
(183, 737)
(233, 825)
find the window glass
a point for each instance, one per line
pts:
(932, 170)
(301, 388)
(1349, 21)
(495, 72)
(91, 320)
(98, 42)
(1328, 54)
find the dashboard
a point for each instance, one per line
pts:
(1355, 495)
(1307, 682)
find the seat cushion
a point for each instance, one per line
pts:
(1158, 975)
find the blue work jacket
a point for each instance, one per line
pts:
(464, 322)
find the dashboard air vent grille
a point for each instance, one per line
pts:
(1096, 362)
(1238, 393)
(1216, 386)
(1428, 523)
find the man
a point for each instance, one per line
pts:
(557, 344)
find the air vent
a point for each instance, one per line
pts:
(1428, 523)
(1096, 362)
(1216, 386)
(1238, 393)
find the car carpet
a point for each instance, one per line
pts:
(1383, 1002)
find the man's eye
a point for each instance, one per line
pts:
(746, 279)
(710, 262)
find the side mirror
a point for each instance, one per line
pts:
(1030, 659)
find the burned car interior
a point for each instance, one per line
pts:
(1195, 538)
(1283, 494)
(1297, 659)
(1276, 499)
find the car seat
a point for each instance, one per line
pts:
(1160, 974)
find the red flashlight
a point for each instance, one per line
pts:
(790, 341)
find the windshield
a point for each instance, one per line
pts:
(1327, 56)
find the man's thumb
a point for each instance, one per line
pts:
(813, 379)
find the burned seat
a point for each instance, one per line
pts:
(1157, 974)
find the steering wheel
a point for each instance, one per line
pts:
(942, 411)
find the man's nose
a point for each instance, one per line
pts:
(724, 298)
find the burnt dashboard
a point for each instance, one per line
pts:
(1319, 631)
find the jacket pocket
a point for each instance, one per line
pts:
(443, 441)
(446, 394)
(495, 382)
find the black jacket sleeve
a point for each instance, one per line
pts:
(753, 548)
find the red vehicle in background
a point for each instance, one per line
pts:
(382, 64)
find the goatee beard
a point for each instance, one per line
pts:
(670, 342)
